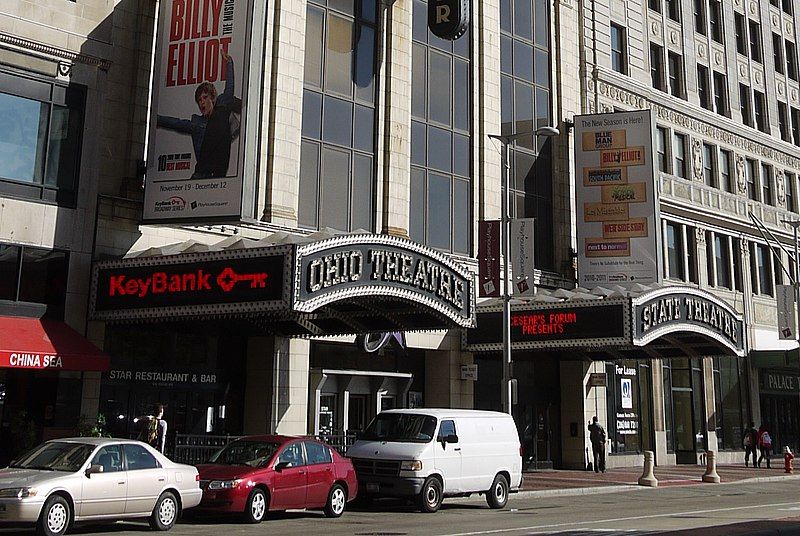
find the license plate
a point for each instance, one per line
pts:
(372, 486)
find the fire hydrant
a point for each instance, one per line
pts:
(787, 460)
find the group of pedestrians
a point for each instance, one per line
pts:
(757, 439)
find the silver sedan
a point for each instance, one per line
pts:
(90, 479)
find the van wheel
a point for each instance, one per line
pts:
(430, 498)
(497, 496)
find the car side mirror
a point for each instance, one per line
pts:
(452, 438)
(280, 466)
(94, 468)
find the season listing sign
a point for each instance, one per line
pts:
(617, 208)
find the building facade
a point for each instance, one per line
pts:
(359, 122)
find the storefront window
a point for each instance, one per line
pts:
(728, 397)
(684, 409)
(626, 390)
(34, 275)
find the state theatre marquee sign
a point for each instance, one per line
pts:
(620, 323)
(670, 310)
(353, 266)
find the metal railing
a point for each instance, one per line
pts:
(198, 448)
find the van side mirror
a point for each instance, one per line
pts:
(92, 469)
(452, 438)
(280, 466)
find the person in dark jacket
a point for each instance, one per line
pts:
(597, 435)
(750, 443)
(214, 129)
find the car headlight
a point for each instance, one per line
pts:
(18, 493)
(224, 484)
(411, 465)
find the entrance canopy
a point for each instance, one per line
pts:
(616, 323)
(32, 343)
(286, 284)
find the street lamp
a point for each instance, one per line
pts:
(505, 247)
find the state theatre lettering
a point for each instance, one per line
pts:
(688, 309)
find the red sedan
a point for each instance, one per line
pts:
(256, 474)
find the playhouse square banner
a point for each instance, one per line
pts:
(194, 168)
(617, 220)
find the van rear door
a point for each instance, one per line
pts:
(447, 456)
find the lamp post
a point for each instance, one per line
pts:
(505, 247)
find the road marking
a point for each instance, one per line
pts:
(617, 519)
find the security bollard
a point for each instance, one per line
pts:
(648, 478)
(711, 468)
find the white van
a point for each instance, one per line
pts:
(434, 453)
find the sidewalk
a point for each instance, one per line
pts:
(572, 482)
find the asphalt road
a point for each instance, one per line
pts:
(741, 508)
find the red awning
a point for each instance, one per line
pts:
(31, 343)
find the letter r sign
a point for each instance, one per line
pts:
(448, 19)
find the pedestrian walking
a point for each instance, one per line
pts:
(764, 444)
(597, 435)
(750, 442)
(153, 429)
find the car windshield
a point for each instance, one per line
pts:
(401, 427)
(252, 453)
(56, 456)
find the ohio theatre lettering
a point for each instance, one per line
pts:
(373, 266)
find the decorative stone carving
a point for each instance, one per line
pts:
(780, 188)
(700, 237)
(741, 180)
(794, 95)
(753, 8)
(673, 37)
(718, 57)
(64, 68)
(776, 21)
(655, 29)
(697, 159)
(701, 51)
(742, 70)
(758, 77)
(781, 88)
(744, 250)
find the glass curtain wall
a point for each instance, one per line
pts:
(525, 106)
(441, 110)
(337, 157)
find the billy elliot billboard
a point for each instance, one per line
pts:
(190, 285)
(617, 222)
(196, 146)
(382, 265)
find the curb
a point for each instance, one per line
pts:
(595, 490)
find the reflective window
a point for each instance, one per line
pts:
(317, 453)
(338, 148)
(675, 251)
(292, 454)
(34, 275)
(40, 142)
(447, 428)
(439, 213)
(139, 458)
(109, 458)
(730, 391)
(724, 160)
(526, 106)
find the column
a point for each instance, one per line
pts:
(257, 401)
(290, 386)
(444, 387)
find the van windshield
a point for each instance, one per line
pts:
(401, 427)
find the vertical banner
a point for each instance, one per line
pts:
(522, 256)
(617, 210)
(489, 258)
(195, 145)
(787, 321)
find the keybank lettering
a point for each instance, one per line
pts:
(159, 283)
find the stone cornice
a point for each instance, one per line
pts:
(57, 54)
(715, 132)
